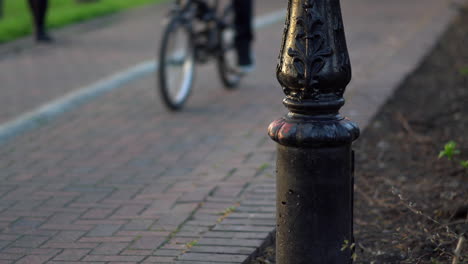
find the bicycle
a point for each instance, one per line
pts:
(195, 33)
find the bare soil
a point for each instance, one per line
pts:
(410, 205)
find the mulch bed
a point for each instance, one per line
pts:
(410, 205)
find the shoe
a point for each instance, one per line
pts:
(246, 69)
(245, 60)
(44, 38)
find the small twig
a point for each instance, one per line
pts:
(404, 122)
(373, 201)
(366, 197)
(411, 207)
(458, 250)
(433, 119)
(421, 258)
(451, 223)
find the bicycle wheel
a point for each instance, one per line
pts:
(227, 56)
(177, 64)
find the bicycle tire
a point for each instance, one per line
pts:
(175, 95)
(227, 58)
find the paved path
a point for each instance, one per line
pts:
(120, 179)
(82, 55)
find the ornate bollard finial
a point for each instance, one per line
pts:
(315, 181)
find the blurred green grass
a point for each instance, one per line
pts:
(17, 22)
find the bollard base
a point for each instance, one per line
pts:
(314, 203)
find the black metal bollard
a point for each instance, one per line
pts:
(315, 159)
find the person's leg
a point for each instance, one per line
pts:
(39, 11)
(202, 9)
(34, 12)
(244, 32)
(42, 9)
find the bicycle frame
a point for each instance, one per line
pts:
(182, 2)
(212, 6)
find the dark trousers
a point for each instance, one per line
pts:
(243, 10)
(244, 30)
(38, 10)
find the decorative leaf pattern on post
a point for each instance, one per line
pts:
(311, 51)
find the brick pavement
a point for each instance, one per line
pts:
(122, 180)
(127, 194)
